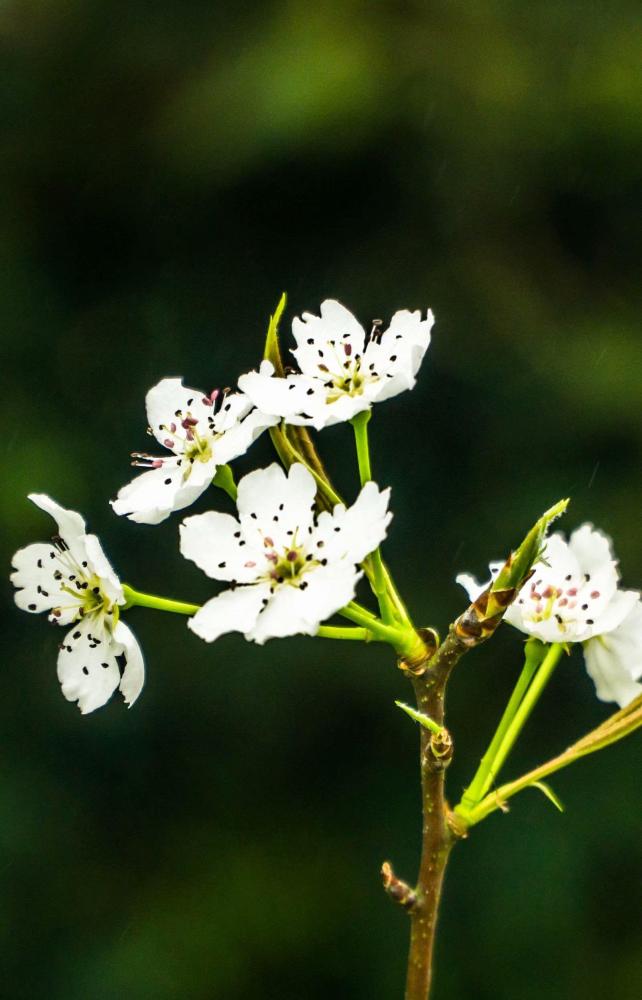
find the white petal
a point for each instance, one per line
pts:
(168, 403)
(271, 504)
(295, 610)
(87, 667)
(38, 578)
(214, 541)
(151, 497)
(236, 440)
(296, 397)
(614, 660)
(559, 560)
(110, 585)
(71, 525)
(354, 533)
(321, 340)
(234, 407)
(591, 548)
(397, 356)
(133, 677)
(232, 611)
(472, 587)
(342, 408)
(618, 608)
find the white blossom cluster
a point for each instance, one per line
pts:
(286, 567)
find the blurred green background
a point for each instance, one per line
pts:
(167, 171)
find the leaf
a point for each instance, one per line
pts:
(549, 793)
(519, 564)
(423, 720)
(272, 351)
(483, 616)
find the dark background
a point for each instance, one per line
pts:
(167, 171)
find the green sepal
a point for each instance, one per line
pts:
(292, 443)
(272, 351)
(224, 479)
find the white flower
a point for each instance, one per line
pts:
(343, 369)
(72, 579)
(574, 596)
(289, 569)
(202, 432)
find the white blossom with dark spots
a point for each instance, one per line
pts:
(289, 570)
(72, 580)
(342, 369)
(574, 597)
(202, 432)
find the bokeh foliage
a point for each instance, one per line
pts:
(168, 170)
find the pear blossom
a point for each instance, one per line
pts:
(288, 568)
(574, 597)
(202, 432)
(343, 369)
(72, 579)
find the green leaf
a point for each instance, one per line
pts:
(423, 720)
(549, 793)
(482, 618)
(519, 564)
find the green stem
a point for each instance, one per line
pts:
(622, 724)
(135, 598)
(379, 577)
(224, 479)
(339, 632)
(361, 610)
(486, 772)
(379, 629)
(360, 427)
(403, 638)
(521, 716)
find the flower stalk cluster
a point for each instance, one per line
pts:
(293, 557)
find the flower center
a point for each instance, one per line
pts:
(287, 565)
(199, 450)
(573, 602)
(81, 586)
